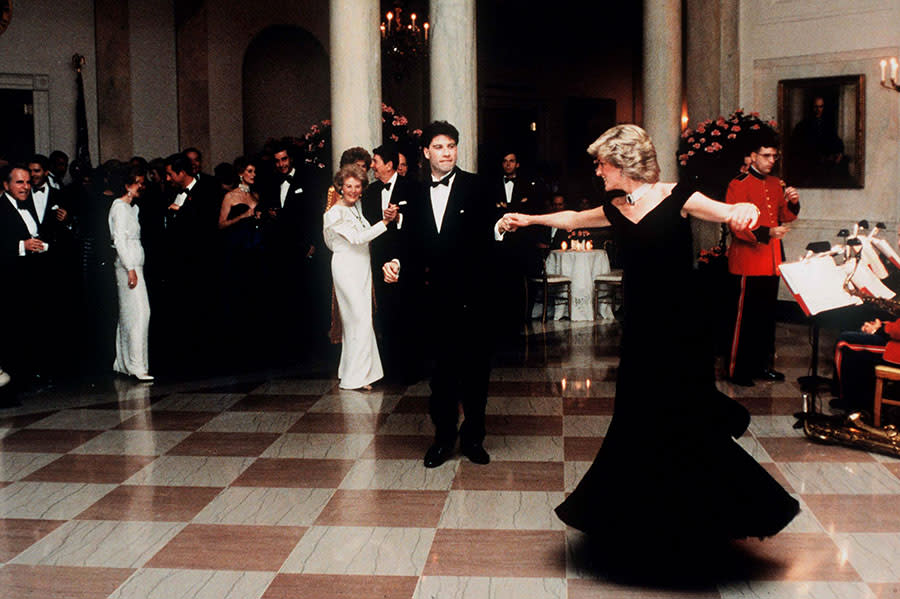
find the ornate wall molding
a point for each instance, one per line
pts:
(39, 85)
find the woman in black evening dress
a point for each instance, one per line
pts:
(669, 472)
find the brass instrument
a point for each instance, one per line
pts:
(849, 430)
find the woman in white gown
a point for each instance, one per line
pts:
(348, 234)
(134, 306)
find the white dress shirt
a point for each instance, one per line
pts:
(181, 198)
(386, 197)
(440, 194)
(508, 188)
(40, 200)
(29, 221)
(286, 186)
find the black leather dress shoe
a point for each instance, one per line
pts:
(770, 375)
(476, 453)
(437, 455)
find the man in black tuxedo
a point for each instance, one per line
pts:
(551, 237)
(25, 269)
(399, 357)
(444, 267)
(192, 266)
(195, 157)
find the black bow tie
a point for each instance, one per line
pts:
(508, 179)
(387, 186)
(444, 181)
(288, 178)
(40, 189)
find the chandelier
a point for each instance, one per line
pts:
(403, 40)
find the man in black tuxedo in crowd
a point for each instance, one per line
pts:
(398, 355)
(443, 266)
(551, 237)
(192, 283)
(195, 157)
(27, 274)
(59, 165)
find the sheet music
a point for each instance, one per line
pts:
(870, 284)
(887, 250)
(818, 284)
(869, 258)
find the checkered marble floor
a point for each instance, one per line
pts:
(289, 487)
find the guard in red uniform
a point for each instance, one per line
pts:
(754, 256)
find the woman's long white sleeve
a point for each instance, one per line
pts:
(337, 224)
(126, 234)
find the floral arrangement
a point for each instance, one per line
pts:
(712, 154)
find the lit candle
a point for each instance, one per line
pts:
(563, 246)
(425, 26)
(883, 70)
(382, 37)
(894, 71)
(590, 245)
(412, 18)
(390, 18)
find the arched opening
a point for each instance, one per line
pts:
(286, 85)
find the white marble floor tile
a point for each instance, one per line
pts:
(296, 387)
(89, 420)
(502, 510)
(752, 446)
(859, 478)
(524, 448)
(159, 583)
(805, 521)
(198, 402)
(49, 501)
(885, 459)
(525, 406)
(585, 426)
(100, 544)
(132, 442)
(399, 475)
(265, 506)
(191, 471)
(771, 425)
(873, 555)
(7, 431)
(574, 472)
(759, 589)
(407, 424)
(458, 587)
(14, 465)
(361, 550)
(356, 402)
(315, 445)
(251, 422)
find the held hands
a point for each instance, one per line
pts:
(390, 213)
(743, 217)
(33, 245)
(791, 194)
(514, 220)
(871, 327)
(391, 271)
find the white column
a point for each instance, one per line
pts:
(662, 80)
(454, 83)
(355, 41)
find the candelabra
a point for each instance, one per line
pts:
(402, 41)
(893, 83)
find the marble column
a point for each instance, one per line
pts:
(114, 101)
(454, 82)
(355, 41)
(662, 80)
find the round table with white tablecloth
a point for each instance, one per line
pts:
(581, 267)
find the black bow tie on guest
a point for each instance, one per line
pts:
(444, 181)
(40, 189)
(508, 179)
(288, 178)
(387, 186)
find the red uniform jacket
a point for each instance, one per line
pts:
(755, 252)
(892, 349)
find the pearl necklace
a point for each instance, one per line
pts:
(244, 187)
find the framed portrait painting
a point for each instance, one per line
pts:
(823, 131)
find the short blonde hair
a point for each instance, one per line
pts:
(350, 171)
(629, 148)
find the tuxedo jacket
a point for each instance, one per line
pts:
(386, 246)
(450, 270)
(298, 223)
(191, 230)
(520, 201)
(16, 270)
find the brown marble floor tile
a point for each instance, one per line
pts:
(894, 467)
(167, 420)
(63, 582)
(416, 509)
(16, 535)
(338, 422)
(524, 425)
(225, 547)
(5, 484)
(411, 405)
(275, 403)
(398, 447)
(327, 586)
(797, 557)
(233, 387)
(586, 588)
(776, 406)
(856, 513)
(294, 473)
(127, 404)
(78, 468)
(526, 388)
(773, 470)
(581, 449)
(23, 420)
(151, 504)
(497, 553)
(885, 590)
(801, 449)
(588, 406)
(45, 440)
(511, 476)
(225, 444)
